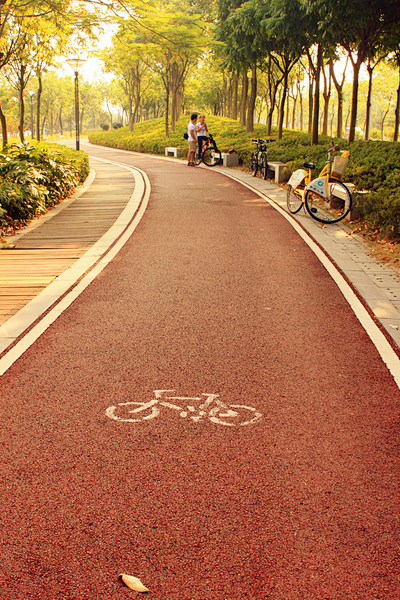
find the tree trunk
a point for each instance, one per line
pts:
(311, 79)
(327, 97)
(3, 127)
(383, 119)
(131, 120)
(354, 99)
(235, 85)
(301, 112)
(229, 99)
(21, 104)
(294, 123)
(60, 121)
(314, 134)
(339, 89)
(243, 99)
(43, 125)
(370, 70)
(252, 100)
(397, 114)
(282, 106)
(38, 106)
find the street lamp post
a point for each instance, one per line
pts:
(75, 64)
(31, 94)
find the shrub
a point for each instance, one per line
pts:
(34, 177)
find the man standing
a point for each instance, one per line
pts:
(192, 139)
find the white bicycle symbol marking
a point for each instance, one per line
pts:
(209, 407)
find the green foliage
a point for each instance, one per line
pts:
(34, 177)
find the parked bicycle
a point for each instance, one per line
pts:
(326, 198)
(210, 155)
(258, 159)
(196, 409)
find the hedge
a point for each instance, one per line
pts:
(34, 177)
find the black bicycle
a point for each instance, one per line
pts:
(258, 159)
(210, 155)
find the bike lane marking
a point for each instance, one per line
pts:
(77, 278)
(209, 407)
(385, 350)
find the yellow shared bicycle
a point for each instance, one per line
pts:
(325, 198)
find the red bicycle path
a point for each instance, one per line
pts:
(214, 293)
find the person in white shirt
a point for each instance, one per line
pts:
(192, 139)
(202, 130)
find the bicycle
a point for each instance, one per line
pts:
(258, 159)
(326, 198)
(197, 409)
(210, 155)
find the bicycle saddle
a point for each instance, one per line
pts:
(308, 165)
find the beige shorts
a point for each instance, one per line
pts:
(192, 146)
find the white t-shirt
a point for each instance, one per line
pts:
(192, 127)
(201, 129)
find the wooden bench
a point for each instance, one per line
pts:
(276, 170)
(172, 151)
(230, 160)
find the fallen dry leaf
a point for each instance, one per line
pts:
(133, 583)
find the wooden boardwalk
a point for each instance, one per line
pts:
(43, 253)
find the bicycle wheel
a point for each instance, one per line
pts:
(254, 164)
(197, 159)
(294, 200)
(126, 411)
(239, 416)
(264, 166)
(332, 209)
(211, 157)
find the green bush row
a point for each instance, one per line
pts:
(374, 166)
(34, 177)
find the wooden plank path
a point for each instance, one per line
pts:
(46, 251)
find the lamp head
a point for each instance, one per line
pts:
(76, 63)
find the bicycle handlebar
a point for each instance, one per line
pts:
(260, 141)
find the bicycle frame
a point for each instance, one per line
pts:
(209, 142)
(319, 185)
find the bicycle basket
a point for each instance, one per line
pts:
(339, 166)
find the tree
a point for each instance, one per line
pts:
(360, 27)
(339, 89)
(33, 32)
(173, 43)
(286, 25)
(125, 60)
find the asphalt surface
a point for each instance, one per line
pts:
(289, 490)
